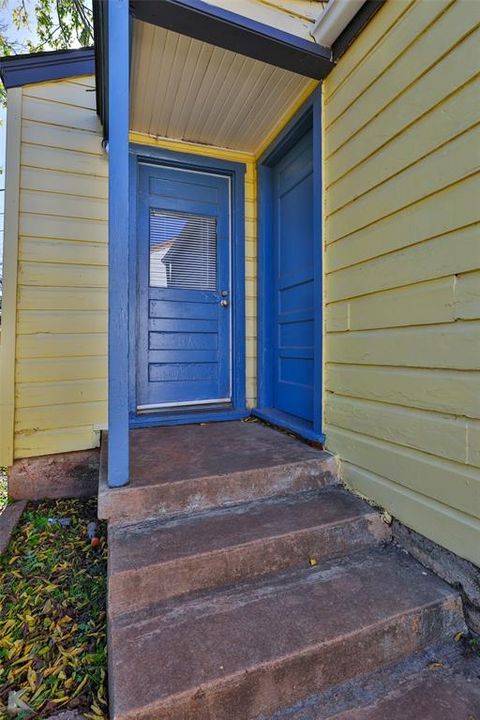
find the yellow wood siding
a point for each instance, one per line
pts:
(61, 347)
(402, 258)
(296, 17)
(10, 261)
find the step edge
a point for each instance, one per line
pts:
(298, 497)
(326, 459)
(323, 465)
(444, 591)
(368, 532)
(368, 517)
(451, 597)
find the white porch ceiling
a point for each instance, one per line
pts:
(185, 89)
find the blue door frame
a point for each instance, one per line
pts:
(307, 118)
(235, 172)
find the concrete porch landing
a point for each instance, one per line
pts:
(190, 468)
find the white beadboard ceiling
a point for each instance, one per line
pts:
(185, 89)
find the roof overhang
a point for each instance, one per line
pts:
(238, 33)
(187, 90)
(233, 32)
(18, 70)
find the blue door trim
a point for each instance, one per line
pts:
(308, 117)
(236, 173)
(118, 264)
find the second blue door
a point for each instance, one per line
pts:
(183, 289)
(293, 274)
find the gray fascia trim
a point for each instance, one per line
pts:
(18, 70)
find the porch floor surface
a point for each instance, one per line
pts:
(170, 454)
(186, 468)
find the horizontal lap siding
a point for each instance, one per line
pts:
(61, 351)
(402, 267)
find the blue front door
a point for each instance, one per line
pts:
(293, 277)
(183, 285)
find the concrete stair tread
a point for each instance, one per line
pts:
(156, 559)
(440, 683)
(429, 697)
(194, 451)
(141, 544)
(242, 650)
(190, 469)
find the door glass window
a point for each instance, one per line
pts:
(183, 250)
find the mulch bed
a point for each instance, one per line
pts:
(53, 612)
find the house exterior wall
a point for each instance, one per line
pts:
(60, 352)
(402, 267)
(54, 344)
(296, 17)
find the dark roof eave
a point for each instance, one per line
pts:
(237, 33)
(198, 19)
(18, 70)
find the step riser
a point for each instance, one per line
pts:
(139, 588)
(265, 688)
(134, 503)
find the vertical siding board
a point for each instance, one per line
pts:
(10, 262)
(402, 267)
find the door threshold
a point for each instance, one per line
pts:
(299, 427)
(188, 417)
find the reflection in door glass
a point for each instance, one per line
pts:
(183, 250)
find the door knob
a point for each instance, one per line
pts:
(224, 302)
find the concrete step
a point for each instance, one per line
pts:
(182, 470)
(441, 683)
(428, 697)
(157, 559)
(234, 653)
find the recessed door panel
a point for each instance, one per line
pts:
(293, 282)
(184, 309)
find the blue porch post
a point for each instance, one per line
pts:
(118, 223)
